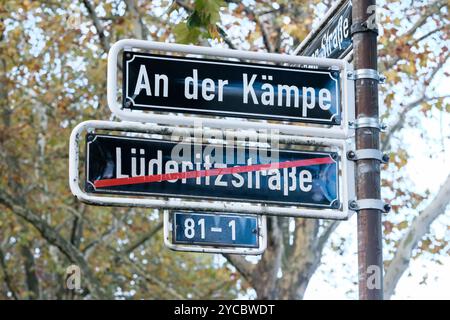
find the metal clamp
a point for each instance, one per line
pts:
(363, 27)
(368, 154)
(367, 122)
(371, 204)
(366, 74)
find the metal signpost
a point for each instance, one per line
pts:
(370, 205)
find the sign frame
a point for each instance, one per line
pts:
(342, 131)
(346, 184)
(262, 241)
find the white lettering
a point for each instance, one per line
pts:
(248, 88)
(142, 82)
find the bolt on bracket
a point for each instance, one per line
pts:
(367, 122)
(363, 26)
(370, 204)
(366, 74)
(368, 154)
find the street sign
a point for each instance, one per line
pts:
(149, 96)
(215, 232)
(106, 168)
(147, 167)
(332, 39)
(230, 89)
(215, 229)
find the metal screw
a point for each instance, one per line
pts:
(89, 187)
(337, 119)
(351, 155)
(387, 207)
(254, 231)
(353, 205)
(336, 204)
(90, 137)
(334, 156)
(128, 104)
(385, 158)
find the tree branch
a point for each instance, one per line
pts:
(144, 238)
(430, 10)
(385, 141)
(89, 248)
(398, 125)
(7, 276)
(97, 24)
(147, 276)
(32, 280)
(137, 19)
(419, 227)
(57, 240)
(262, 28)
(326, 235)
(245, 268)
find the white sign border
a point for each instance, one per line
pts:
(262, 226)
(347, 183)
(336, 132)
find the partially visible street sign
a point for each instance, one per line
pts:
(332, 39)
(147, 167)
(230, 89)
(215, 229)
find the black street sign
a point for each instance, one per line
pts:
(146, 167)
(230, 89)
(333, 37)
(215, 229)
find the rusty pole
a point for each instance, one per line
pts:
(370, 260)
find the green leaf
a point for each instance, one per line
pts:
(208, 11)
(194, 20)
(186, 35)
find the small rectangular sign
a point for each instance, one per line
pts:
(333, 38)
(230, 89)
(147, 167)
(215, 229)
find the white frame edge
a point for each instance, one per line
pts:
(346, 185)
(341, 132)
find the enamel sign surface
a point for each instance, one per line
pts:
(137, 166)
(230, 89)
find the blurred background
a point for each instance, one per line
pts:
(53, 57)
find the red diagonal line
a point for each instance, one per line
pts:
(210, 172)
